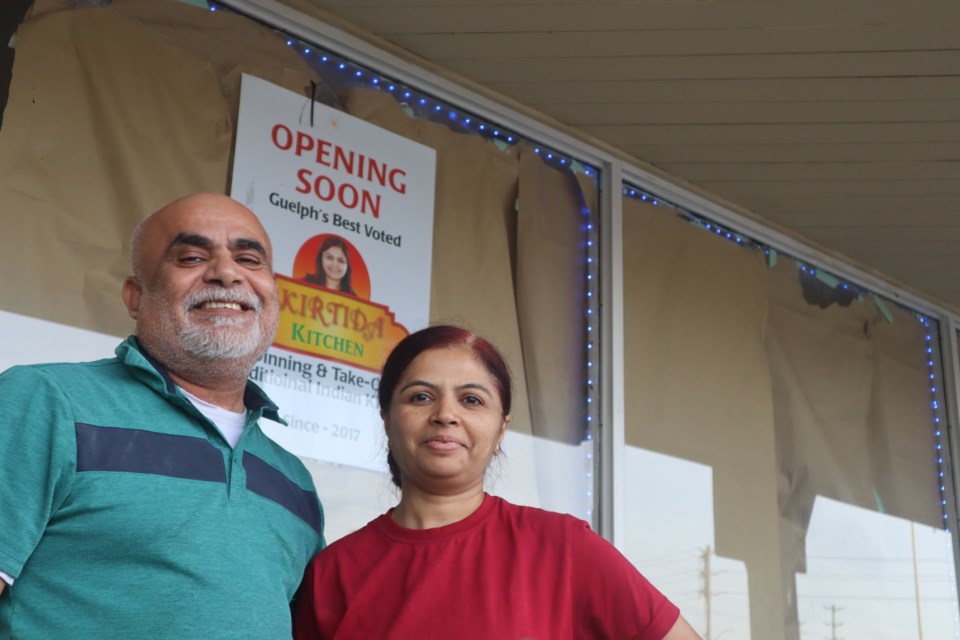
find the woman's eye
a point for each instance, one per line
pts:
(473, 400)
(419, 397)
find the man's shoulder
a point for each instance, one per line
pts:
(37, 389)
(64, 372)
(87, 383)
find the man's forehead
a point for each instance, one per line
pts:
(200, 219)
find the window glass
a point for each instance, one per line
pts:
(873, 575)
(511, 239)
(762, 392)
(514, 259)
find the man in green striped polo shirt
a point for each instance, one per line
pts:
(138, 496)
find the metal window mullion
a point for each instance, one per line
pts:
(950, 359)
(612, 426)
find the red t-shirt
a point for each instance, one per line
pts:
(504, 573)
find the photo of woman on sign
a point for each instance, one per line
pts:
(333, 266)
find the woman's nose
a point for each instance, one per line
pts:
(446, 412)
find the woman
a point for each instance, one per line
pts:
(333, 266)
(450, 561)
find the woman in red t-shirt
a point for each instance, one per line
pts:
(451, 561)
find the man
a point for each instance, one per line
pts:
(138, 496)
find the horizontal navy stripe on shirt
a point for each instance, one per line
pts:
(272, 484)
(139, 451)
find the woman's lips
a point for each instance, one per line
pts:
(442, 443)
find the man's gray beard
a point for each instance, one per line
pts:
(222, 339)
(217, 342)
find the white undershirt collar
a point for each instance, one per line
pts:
(229, 423)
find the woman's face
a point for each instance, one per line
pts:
(334, 263)
(445, 421)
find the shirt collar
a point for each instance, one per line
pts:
(134, 355)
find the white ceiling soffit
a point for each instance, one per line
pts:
(836, 122)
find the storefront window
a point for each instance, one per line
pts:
(511, 240)
(796, 418)
(514, 259)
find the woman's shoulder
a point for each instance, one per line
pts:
(564, 537)
(527, 517)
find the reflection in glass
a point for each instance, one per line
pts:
(872, 575)
(670, 538)
(793, 386)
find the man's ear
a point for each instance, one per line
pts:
(131, 296)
